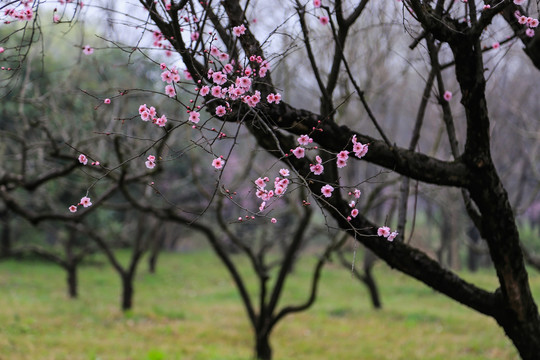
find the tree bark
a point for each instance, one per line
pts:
(127, 292)
(369, 280)
(72, 282)
(263, 350)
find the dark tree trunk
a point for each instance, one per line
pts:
(152, 261)
(72, 281)
(263, 350)
(369, 280)
(127, 292)
(472, 254)
(5, 239)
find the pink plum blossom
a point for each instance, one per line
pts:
(83, 159)
(354, 213)
(304, 140)
(317, 3)
(107, 101)
(150, 164)
(447, 95)
(284, 172)
(273, 220)
(86, 202)
(194, 117)
(88, 50)
(73, 208)
(161, 121)
(221, 110)
(317, 169)
(341, 163)
(261, 184)
(324, 20)
(392, 236)
(299, 152)
(239, 30)
(529, 32)
(327, 190)
(169, 90)
(383, 231)
(2, 49)
(495, 46)
(204, 90)
(218, 163)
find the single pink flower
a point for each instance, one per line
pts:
(317, 169)
(221, 110)
(83, 159)
(204, 90)
(392, 236)
(150, 164)
(324, 20)
(284, 172)
(326, 190)
(73, 208)
(529, 32)
(2, 49)
(88, 50)
(383, 231)
(317, 3)
(299, 152)
(218, 163)
(107, 101)
(495, 46)
(85, 201)
(341, 163)
(194, 117)
(354, 213)
(169, 90)
(447, 95)
(161, 121)
(273, 220)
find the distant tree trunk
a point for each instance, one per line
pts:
(127, 291)
(5, 239)
(154, 255)
(72, 280)
(472, 254)
(369, 280)
(263, 350)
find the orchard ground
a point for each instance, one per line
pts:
(191, 310)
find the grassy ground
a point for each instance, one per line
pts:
(190, 310)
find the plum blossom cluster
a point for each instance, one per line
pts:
(385, 231)
(303, 140)
(170, 76)
(24, 14)
(150, 113)
(226, 84)
(530, 22)
(83, 159)
(352, 204)
(161, 42)
(85, 202)
(281, 184)
(150, 162)
(359, 149)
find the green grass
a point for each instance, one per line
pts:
(190, 310)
